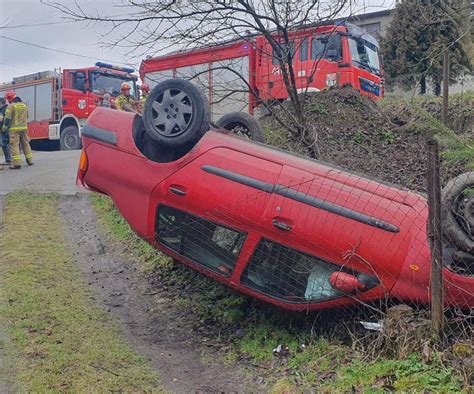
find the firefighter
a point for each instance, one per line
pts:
(106, 101)
(4, 135)
(145, 92)
(125, 101)
(16, 123)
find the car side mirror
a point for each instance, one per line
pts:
(345, 282)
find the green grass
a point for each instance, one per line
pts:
(322, 363)
(58, 341)
(331, 367)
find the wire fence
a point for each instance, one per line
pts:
(396, 264)
(308, 236)
(411, 85)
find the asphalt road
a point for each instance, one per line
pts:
(52, 172)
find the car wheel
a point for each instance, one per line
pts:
(458, 211)
(176, 113)
(242, 124)
(70, 139)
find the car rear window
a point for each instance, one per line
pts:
(210, 244)
(288, 274)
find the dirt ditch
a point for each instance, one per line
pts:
(152, 324)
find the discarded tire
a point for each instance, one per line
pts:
(176, 113)
(242, 124)
(457, 211)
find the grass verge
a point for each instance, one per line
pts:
(308, 361)
(58, 341)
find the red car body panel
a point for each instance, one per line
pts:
(386, 239)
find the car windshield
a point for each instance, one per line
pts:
(364, 54)
(111, 84)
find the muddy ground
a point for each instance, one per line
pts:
(149, 319)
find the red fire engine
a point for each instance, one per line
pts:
(60, 103)
(323, 56)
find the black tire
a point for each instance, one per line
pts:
(176, 113)
(457, 211)
(70, 139)
(242, 124)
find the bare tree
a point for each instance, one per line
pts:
(146, 26)
(461, 14)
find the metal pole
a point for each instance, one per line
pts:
(435, 233)
(445, 87)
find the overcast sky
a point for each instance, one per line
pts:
(33, 22)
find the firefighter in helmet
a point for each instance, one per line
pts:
(16, 124)
(125, 101)
(5, 140)
(145, 92)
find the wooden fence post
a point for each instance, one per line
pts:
(435, 231)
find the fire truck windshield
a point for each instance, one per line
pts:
(364, 54)
(107, 83)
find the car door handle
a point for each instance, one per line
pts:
(282, 225)
(177, 190)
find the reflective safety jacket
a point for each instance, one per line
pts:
(143, 99)
(16, 117)
(126, 103)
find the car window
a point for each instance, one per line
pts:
(326, 47)
(212, 245)
(284, 52)
(304, 49)
(288, 274)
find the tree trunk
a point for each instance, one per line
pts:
(437, 87)
(423, 85)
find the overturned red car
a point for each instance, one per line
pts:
(295, 232)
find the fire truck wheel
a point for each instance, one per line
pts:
(457, 211)
(70, 139)
(176, 113)
(242, 124)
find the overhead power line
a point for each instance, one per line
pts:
(13, 66)
(35, 24)
(64, 52)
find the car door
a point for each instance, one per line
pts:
(335, 217)
(205, 211)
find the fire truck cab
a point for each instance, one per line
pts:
(240, 75)
(59, 103)
(323, 57)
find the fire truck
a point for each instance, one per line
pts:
(323, 56)
(59, 103)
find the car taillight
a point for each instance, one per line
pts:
(83, 164)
